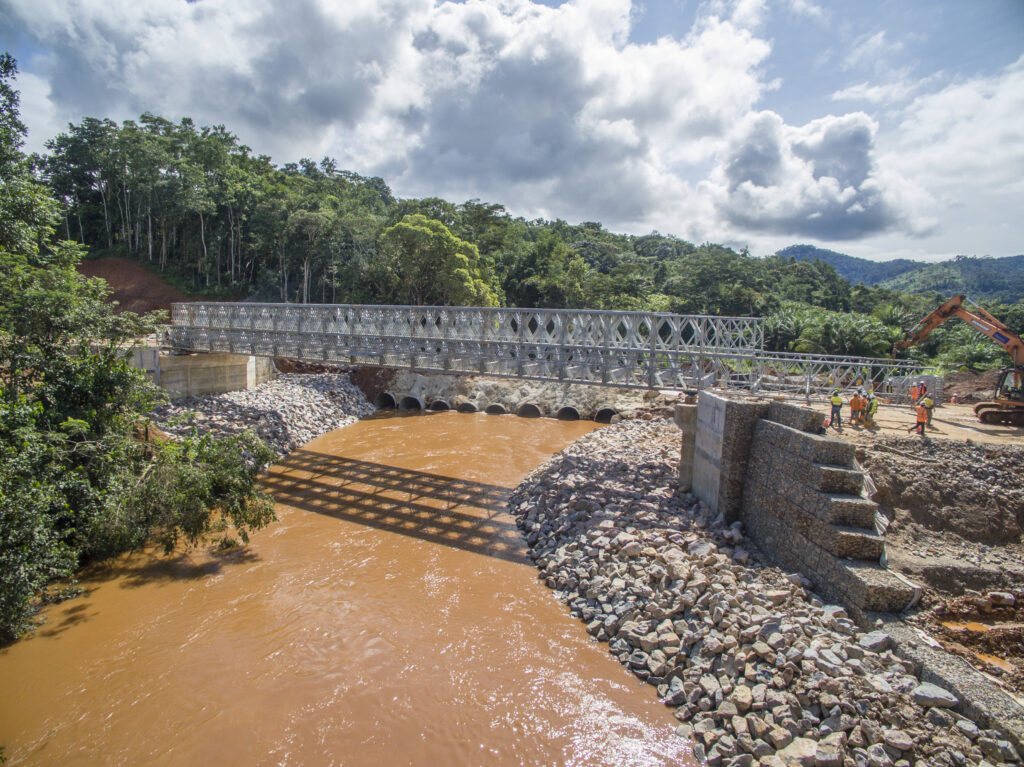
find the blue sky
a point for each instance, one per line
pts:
(879, 129)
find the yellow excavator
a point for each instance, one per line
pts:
(1007, 404)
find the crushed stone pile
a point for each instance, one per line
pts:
(758, 670)
(286, 413)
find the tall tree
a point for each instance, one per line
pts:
(435, 266)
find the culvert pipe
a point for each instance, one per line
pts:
(385, 401)
(466, 407)
(568, 413)
(605, 415)
(529, 410)
(410, 403)
(439, 405)
(495, 409)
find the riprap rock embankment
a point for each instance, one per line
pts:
(759, 670)
(286, 412)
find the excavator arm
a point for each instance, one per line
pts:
(981, 321)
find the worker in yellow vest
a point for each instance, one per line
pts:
(836, 419)
(870, 409)
(929, 405)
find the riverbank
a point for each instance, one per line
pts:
(758, 670)
(286, 413)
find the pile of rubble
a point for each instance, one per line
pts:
(286, 412)
(759, 670)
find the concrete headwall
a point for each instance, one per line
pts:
(186, 375)
(725, 428)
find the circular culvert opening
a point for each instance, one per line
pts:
(466, 407)
(495, 409)
(528, 411)
(410, 403)
(384, 401)
(440, 405)
(568, 413)
(604, 415)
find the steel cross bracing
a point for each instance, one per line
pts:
(625, 349)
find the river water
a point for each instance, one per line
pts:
(389, 618)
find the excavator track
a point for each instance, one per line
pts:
(994, 414)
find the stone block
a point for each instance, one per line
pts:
(838, 479)
(847, 542)
(795, 416)
(848, 510)
(871, 587)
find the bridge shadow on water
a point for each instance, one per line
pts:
(454, 512)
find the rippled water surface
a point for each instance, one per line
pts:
(390, 617)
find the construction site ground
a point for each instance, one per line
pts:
(954, 505)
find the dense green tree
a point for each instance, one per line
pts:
(75, 483)
(433, 266)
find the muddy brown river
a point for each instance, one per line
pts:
(389, 618)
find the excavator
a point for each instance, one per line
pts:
(1007, 405)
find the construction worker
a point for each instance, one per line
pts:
(929, 405)
(915, 393)
(836, 418)
(922, 419)
(870, 410)
(857, 403)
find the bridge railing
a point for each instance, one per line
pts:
(629, 349)
(609, 329)
(625, 349)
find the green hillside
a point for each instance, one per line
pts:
(853, 269)
(980, 278)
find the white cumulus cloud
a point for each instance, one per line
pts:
(817, 180)
(551, 111)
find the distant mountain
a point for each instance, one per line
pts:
(853, 269)
(988, 278)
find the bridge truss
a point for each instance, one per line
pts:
(639, 350)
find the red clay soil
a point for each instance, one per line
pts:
(989, 638)
(135, 288)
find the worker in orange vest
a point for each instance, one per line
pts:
(915, 393)
(922, 419)
(857, 403)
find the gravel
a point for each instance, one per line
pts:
(758, 670)
(287, 412)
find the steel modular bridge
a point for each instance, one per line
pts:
(635, 350)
